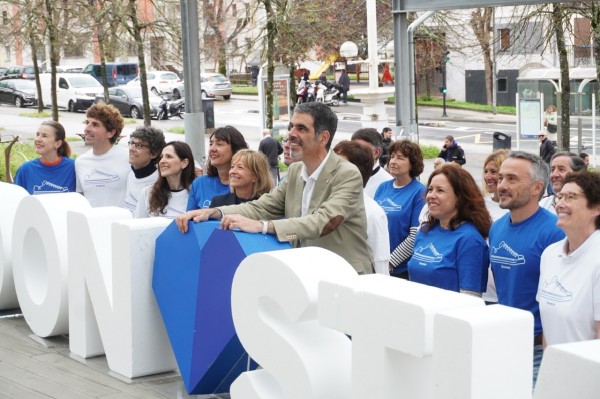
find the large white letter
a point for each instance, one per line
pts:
(11, 195)
(112, 305)
(391, 324)
(274, 305)
(40, 260)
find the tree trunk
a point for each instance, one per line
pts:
(595, 19)
(136, 29)
(53, 39)
(481, 24)
(565, 86)
(271, 32)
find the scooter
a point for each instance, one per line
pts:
(331, 95)
(169, 109)
(306, 92)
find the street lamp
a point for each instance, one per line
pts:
(348, 50)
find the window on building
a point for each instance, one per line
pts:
(75, 45)
(5, 19)
(234, 10)
(502, 85)
(7, 53)
(504, 38)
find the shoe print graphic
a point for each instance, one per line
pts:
(49, 187)
(98, 176)
(555, 291)
(504, 254)
(389, 206)
(428, 254)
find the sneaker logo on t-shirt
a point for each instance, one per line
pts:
(504, 254)
(389, 205)
(555, 291)
(49, 187)
(98, 176)
(428, 254)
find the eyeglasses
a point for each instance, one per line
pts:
(568, 197)
(137, 144)
(285, 140)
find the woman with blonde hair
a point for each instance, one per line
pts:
(249, 178)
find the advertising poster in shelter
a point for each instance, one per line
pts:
(281, 99)
(530, 117)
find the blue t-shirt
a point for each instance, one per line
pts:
(37, 178)
(204, 188)
(450, 259)
(515, 251)
(402, 207)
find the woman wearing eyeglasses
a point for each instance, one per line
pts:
(168, 196)
(53, 171)
(145, 145)
(569, 287)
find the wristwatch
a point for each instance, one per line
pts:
(265, 226)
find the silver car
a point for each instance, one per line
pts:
(215, 84)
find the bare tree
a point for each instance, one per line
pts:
(558, 21)
(482, 25)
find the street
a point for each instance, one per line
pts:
(473, 130)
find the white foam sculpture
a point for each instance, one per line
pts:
(112, 306)
(570, 371)
(274, 306)
(11, 197)
(398, 329)
(39, 253)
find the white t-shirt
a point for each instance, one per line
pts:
(490, 294)
(176, 206)
(102, 179)
(135, 187)
(375, 180)
(377, 235)
(569, 291)
(548, 203)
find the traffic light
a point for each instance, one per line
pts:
(443, 90)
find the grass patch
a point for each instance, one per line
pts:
(129, 121)
(35, 114)
(77, 138)
(176, 129)
(438, 102)
(249, 90)
(429, 151)
(20, 153)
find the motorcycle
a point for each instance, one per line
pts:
(171, 108)
(306, 92)
(329, 94)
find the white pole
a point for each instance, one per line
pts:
(594, 130)
(518, 122)
(372, 44)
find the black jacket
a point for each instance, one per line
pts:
(547, 149)
(453, 154)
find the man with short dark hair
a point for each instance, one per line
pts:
(370, 138)
(547, 148)
(319, 203)
(452, 152)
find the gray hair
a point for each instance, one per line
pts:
(576, 162)
(539, 171)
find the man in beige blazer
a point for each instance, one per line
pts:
(319, 203)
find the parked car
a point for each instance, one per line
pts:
(159, 82)
(19, 72)
(19, 92)
(117, 73)
(179, 91)
(3, 71)
(74, 91)
(215, 84)
(128, 100)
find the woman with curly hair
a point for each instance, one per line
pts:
(402, 201)
(168, 197)
(249, 178)
(451, 251)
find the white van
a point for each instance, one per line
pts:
(74, 91)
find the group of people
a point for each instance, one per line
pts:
(505, 242)
(150, 178)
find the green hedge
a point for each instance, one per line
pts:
(21, 152)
